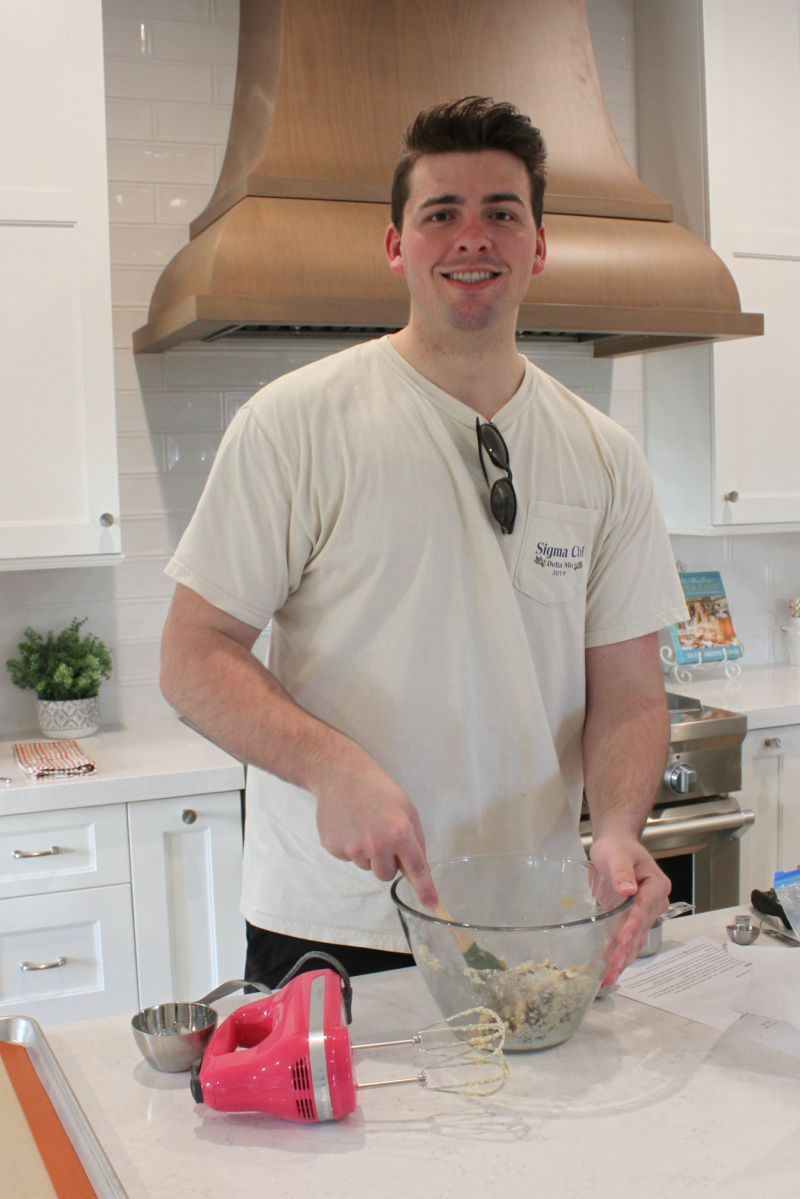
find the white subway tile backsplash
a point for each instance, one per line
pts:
(226, 11)
(614, 16)
(125, 321)
(218, 366)
(139, 455)
(129, 119)
(623, 119)
(132, 203)
(139, 578)
(191, 452)
(195, 41)
(186, 10)
(178, 204)
(132, 287)
(138, 661)
(132, 245)
(631, 152)
(618, 85)
(146, 495)
(147, 80)
(191, 410)
(126, 36)
(613, 49)
(161, 162)
(192, 123)
(148, 536)
(224, 84)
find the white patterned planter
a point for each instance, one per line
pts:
(62, 719)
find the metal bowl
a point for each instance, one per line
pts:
(171, 1036)
(743, 931)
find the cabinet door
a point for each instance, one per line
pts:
(788, 857)
(752, 81)
(44, 852)
(762, 767)
(58, 458)
(77, 948)
(186, 870)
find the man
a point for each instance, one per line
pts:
(465, 568)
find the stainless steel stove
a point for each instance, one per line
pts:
(696, 824)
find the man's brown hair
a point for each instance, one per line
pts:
(470, 124)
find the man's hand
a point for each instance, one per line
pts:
(631, 871)
(366, 818)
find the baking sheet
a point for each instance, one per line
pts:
(20, 1030)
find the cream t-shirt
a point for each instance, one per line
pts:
(347, 504)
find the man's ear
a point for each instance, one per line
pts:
(541, 252)
(391, 246)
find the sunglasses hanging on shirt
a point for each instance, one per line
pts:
(502, 496)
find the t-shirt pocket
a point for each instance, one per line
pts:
(553, 564)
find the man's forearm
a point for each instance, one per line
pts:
(624, 755)
(625, 744)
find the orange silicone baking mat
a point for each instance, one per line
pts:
(37, 1160)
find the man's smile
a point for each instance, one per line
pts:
(470, 276)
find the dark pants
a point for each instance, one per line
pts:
(270, 957)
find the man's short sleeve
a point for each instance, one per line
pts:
(634, 586)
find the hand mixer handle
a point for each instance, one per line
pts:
(246, 1027)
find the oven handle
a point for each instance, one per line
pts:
(690, 826)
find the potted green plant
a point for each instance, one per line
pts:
(65, 670)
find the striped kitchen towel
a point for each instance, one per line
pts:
(52, 759)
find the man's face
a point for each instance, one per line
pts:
(469, 243)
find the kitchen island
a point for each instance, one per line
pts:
(639, 1103)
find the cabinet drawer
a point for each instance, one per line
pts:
(44, 852)
(83, 940)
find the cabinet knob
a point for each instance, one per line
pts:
(188, 816)
(107, 520)
(772, 743)
(731, 497)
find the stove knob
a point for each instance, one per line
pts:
(681, 779)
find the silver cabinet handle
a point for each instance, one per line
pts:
(772, 743)
(731, 497)
(188, 816)
(35, 853)
(42, 965)
(107, 520)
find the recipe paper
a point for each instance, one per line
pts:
(700, 981)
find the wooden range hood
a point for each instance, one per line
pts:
(293, 235)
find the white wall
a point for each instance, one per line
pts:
(170, 69)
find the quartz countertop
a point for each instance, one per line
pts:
(639, 1103)
(142, 759)
(768, 695)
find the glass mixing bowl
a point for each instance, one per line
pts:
(547, 925)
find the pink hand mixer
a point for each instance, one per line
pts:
(289, 1053)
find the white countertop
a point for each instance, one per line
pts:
(640, 1103)
(143, 759)
(768, 695)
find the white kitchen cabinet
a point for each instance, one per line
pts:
(78, 949)
(186, 862)
(66, 921)
(58, 456)
(771, 787)
(718, 93)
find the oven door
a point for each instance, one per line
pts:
(697, 845)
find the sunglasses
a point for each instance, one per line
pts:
(502, 496)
